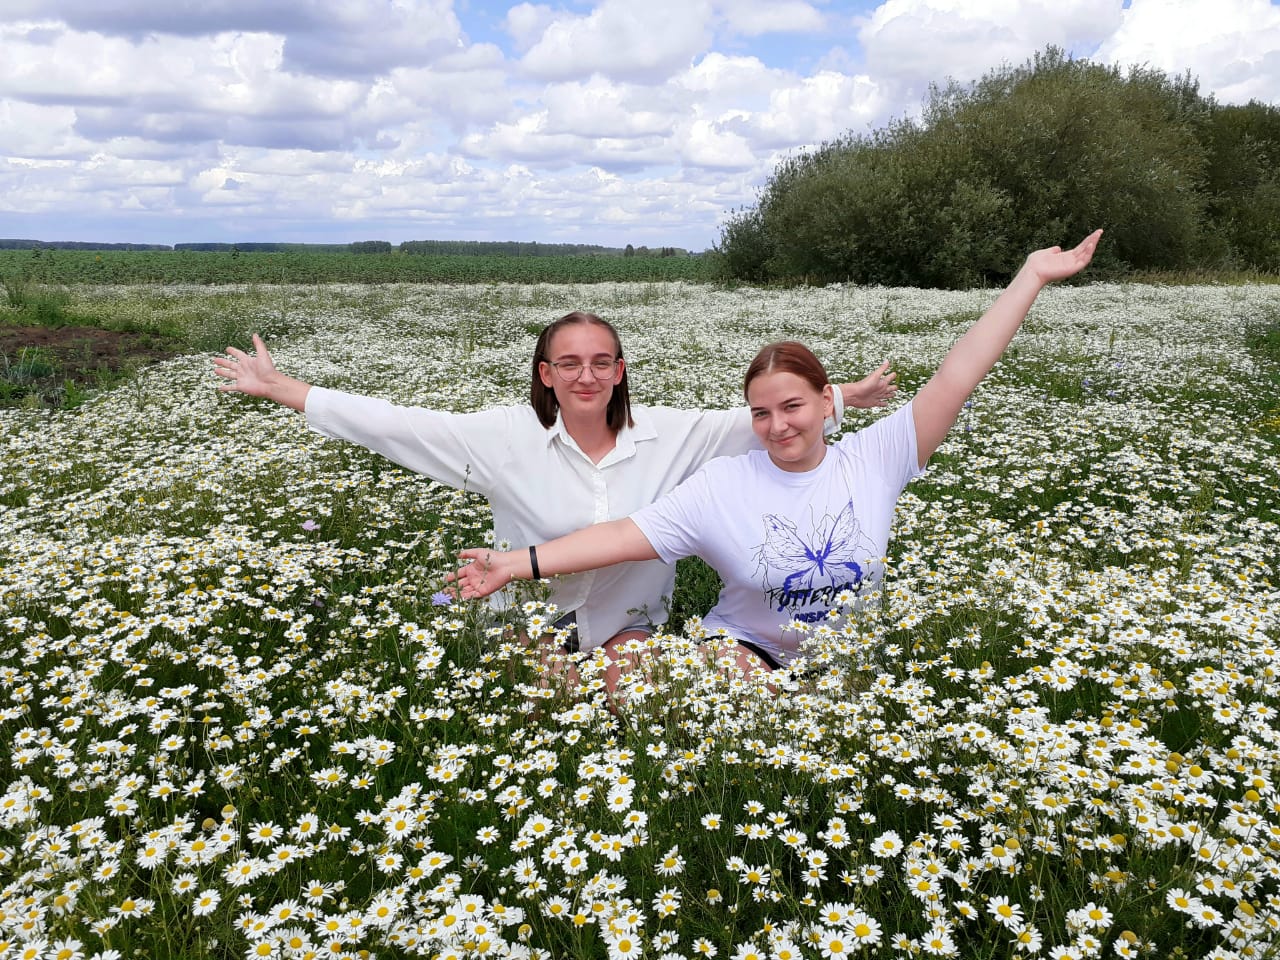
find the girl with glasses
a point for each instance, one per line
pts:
(797, 526)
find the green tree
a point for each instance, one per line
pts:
(1026, 157)
(1242, 183)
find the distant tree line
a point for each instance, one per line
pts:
(1026, 157)
(78, 245)
(415, 247)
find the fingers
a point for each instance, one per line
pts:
(1090, 243)
(227, 370)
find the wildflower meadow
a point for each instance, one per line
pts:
(239, 718)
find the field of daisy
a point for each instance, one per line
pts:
(237, 718)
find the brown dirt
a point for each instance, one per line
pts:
(88, 357)
(83, 353)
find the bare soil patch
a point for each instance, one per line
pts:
(39, 360)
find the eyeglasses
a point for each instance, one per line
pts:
(572, 369)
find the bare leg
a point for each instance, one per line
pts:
(736, 658)
(621, 660)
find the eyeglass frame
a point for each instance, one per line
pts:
(557, 364)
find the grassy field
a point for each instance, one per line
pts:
(237, 719)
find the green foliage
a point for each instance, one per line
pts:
(744, 249)
(46, 308)
(21, 376)
(1027, 157)
(16, 289)
(1242, 184)
(697, 588)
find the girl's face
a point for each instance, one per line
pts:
(583, 394)
(787, 414)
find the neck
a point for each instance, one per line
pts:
(591, 434)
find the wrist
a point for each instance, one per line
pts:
(1029, 277)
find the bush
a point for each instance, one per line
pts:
(1242, 144)
(1027, 157)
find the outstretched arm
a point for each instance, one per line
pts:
(599, 545)
(256, 374)
(939, 401)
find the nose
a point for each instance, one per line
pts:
(587, 372)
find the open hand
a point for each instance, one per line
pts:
(876, 388)
(249, 373)
(486, 573)
(1054, 263)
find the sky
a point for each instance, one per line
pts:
(584, 121)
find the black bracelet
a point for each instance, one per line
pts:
(533, 562)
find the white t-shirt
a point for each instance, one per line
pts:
(786, 544)
(542, 486)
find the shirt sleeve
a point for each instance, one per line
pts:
(703, 435)
(890, 443)
(672, 523)
(459, 449)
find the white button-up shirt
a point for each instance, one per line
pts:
(542, 486)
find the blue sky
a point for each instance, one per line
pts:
(608, 121)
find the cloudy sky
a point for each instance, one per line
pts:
(586, 121)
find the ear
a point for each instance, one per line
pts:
(828, 401)
(620, 372)
(545, 372)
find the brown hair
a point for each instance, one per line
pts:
(787, 356)
(543, 398)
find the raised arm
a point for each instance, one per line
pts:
(599, 545)
(256, 375)
(939, 401)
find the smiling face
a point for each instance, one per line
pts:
(787, 414)
(584, 395)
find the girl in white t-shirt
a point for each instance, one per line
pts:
(578, 453)
(793, 525)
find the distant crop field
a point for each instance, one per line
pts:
(164, 266)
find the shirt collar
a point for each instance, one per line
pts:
(628, 437)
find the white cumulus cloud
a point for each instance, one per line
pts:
(644, 42)
(1232, 46)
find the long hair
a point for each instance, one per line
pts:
(543, 398)
(787, 356)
